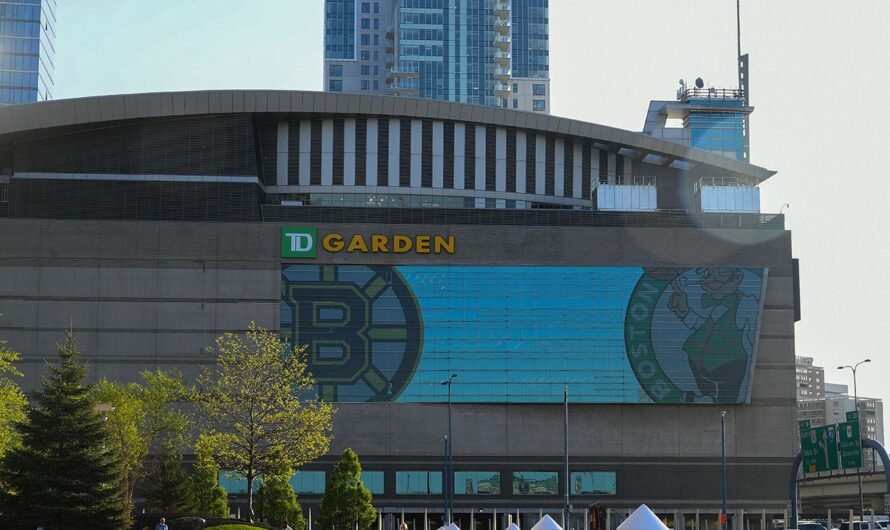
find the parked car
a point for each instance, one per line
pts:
(810, 525)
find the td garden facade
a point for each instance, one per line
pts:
(404, 241)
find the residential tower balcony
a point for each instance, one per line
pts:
(502, 74)
(502, 90)
(405, 86)
(502, 42)
(502, 26)
(502, 10)
(502, 58)
(402, 72)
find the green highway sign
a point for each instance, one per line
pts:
(850, 444)
(853, 415)
(804, 424)
(818, 447)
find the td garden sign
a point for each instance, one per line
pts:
(305, 242)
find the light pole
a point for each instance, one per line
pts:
(856, 406)
(448, 457)
(723, 516)
(566, 511)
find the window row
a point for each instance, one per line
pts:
(430, 482)
(20, 29)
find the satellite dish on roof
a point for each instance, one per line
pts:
(699, 83)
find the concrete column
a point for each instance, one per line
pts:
(349, 152)
(305, 151)
(394, 135)
(327, 152)
(501, 160)
(281, 153)
(460, 145)
(438, 154)
(371, 153)
(559, 168)
(416, 152)
(521, 159)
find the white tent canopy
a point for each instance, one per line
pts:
(642, 519)
(513, 526)
(452, 526)
(546, 523)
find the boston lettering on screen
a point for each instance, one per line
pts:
(520, 333)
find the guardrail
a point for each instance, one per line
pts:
(524, 217)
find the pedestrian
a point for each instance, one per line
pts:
(162, 525)
(286, 526)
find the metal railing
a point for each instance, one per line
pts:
(685, 95)
(522, 217)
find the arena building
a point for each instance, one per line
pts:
(405, 241)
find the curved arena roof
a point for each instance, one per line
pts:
(30, 120)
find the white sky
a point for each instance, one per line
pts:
(818, 71)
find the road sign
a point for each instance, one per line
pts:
(850, 444)
(804, 424)
(818, 447)
(853, 415)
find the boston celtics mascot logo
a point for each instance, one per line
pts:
(690, 334)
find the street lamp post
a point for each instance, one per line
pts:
(856, 406)
(449, 486)
(723, 516)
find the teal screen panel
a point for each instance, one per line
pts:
(519, 334)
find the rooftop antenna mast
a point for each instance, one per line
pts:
(742, 64)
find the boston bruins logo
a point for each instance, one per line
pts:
(362, 326)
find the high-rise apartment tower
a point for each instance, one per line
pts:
(27, 52)
(484, 52)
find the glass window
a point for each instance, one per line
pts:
(366, 7)
(477, 483)
(366, 55)
(593, 482)
(235, 484)
(539, 105)
(366, 39)
(538, 90)
(308, 482)
(376, 23)
(366, 69)
(335, 85)
(376, 7)
(373, 480)
(535, 483)
(366, 23)
(366, 85)
(515, 103)
(515, 88)
(335, 70)
(418, 482)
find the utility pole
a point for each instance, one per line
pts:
(724, 518)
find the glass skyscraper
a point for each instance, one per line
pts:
(484, 52)
(27, 53)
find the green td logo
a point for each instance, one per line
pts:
(297, 242)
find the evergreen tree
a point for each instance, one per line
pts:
(346, 504)
(167, 485)
(209, 497)
(62, 476)
(277, 500)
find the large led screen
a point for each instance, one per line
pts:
(520, 334)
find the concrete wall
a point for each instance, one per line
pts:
(155, 294)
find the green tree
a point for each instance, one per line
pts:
(346, 504)
(277, 500)
(209, 497)
(12, 401)
(142, 419)
(167, 486)
(62, 476)
(255, 408)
